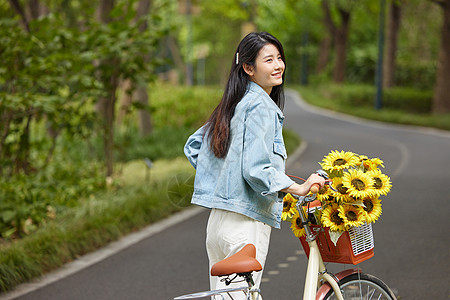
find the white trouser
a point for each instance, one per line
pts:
(227, 233)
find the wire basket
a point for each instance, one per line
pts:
(353, 247)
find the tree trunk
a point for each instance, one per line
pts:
(125, 100)
(107, 111)
(324, 53)
(5, 124)
(106, 104)
(176, 55)
(145, 118)
(441, 98)
(33, 9)
(341, 41)
(340, 37)
(109, 132)
(393, 25)
(15, 4)
(21, 161)
(140, 94)
(104, 10)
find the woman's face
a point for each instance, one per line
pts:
(268, 69)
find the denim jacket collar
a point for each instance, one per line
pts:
(253, 86)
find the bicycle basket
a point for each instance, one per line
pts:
(353, 247)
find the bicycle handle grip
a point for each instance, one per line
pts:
(315, 188)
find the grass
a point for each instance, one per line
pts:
(401, 106)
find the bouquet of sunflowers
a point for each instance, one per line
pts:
(358, 182)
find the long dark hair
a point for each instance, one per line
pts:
(218, 125)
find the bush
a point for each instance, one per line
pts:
(416, 75)
(181, 106)
(29, 200)
(403, 98)
(358, 100)
(163, 143)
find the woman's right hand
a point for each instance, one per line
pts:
(313, 181)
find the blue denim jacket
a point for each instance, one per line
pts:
(248, 179)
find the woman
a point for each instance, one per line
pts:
(239, 155)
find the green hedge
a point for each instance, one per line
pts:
(400, 105)
(402, 98)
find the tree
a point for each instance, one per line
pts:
(340, 34)
(138, 91)
(145, 120)
(82, 60)
(44, 78)
(441, 99)
(121, 47)
(109, 76)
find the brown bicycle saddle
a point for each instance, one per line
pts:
(243, 261)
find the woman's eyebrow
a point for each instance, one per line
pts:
(270, 55)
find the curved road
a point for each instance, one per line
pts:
(411, 241)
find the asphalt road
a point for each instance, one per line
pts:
(411, 241)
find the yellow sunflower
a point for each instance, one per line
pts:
(362, 158)
(352, 215)
(372, 164)
(382, 183)
(372, 209)
(358, 183)
(330, 218)
(337, 161)
(289, 208)
(342, 192)
(324, 193)
(297, 226)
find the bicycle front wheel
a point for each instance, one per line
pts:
(362, 286)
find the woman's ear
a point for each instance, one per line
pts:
(248, 69)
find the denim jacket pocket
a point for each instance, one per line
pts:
(279, 148)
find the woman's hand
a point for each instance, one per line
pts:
(304, 188)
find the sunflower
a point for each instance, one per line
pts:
(372, 164)
(342, 192)
(337, 161)
(352, 215)
(382, 183)
(324, 193)
(362, 159)
(297, 226)
(330, 218)
(358, 183)
(289, 209)
(372, 209)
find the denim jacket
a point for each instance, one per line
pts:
(248, 179)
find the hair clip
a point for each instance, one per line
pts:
(237, 58)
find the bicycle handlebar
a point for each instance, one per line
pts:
(315, 188)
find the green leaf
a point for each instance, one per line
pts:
(7, 215)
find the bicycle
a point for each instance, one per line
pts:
(319, 283)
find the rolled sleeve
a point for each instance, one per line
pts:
(193, 145)
(263, 169)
